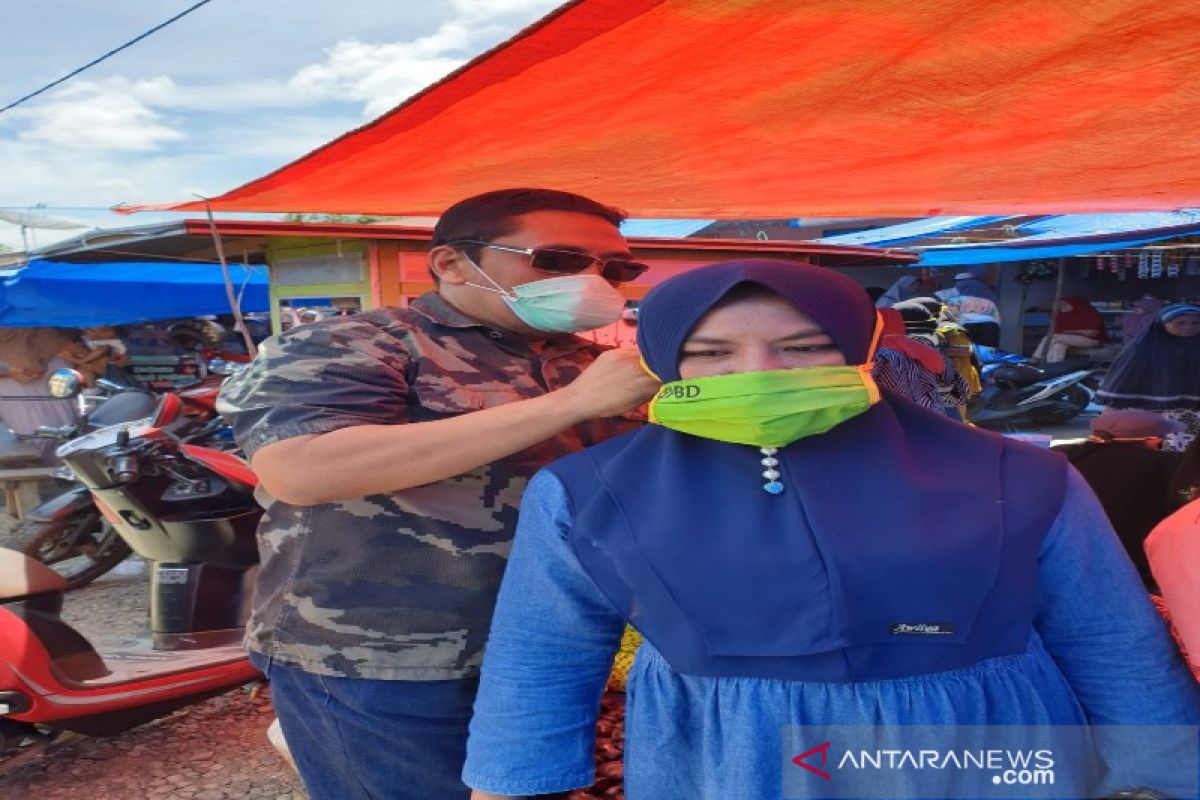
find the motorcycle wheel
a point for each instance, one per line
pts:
(1071, 404)
(81, 546)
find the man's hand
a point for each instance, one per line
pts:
(611, 385)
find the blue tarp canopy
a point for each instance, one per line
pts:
(1056, 236)
(64, 295)
(663, 228)
(908, 231)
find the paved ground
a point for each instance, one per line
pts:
(216, 750)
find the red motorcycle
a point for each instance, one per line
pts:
(189, 511)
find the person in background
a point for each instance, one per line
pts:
(1160, 371)
(1078, 325)
(1173, 552)
(27, 357)
(875, 292)
(916, 370)
(1140, 317)
(1131, 475)
(393, 447)
(800, 549)
(906, 288)
(974, 306)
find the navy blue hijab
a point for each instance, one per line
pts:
(892, 552)
(1157, 371)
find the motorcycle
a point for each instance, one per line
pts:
(1017, 394)
(189, 511)
(68, 532)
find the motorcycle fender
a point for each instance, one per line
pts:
(64, 505)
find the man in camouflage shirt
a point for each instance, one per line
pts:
(393, 447)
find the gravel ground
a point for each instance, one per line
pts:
(215, 750)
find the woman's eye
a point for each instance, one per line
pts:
(704, 353)
(808, 348)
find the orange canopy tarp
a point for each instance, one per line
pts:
(777, 108)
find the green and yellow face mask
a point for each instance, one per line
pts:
(765, 409)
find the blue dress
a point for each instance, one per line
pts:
(1098, 655)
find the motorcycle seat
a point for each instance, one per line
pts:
(1065, 367)
(21, 576)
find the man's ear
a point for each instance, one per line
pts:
(449, 265)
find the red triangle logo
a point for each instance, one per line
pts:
(823, 749)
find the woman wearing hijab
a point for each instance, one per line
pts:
(800, 549)
(1078, 325)
(1160, 371)
(1141, 316)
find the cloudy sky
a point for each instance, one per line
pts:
(232, 91)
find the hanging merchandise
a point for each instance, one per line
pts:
(1038, 270)
(1156, 264)
(1193, 266)
(1143, 265)
(1173, 265)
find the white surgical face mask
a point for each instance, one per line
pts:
(566, 304)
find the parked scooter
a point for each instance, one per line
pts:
(68, 531)
(1017, 394)
(187, 510)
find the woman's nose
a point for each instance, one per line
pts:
(759, 360)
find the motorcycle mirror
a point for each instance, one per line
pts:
(219, 366)
(64, 383)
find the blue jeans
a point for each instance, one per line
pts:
(363, 739)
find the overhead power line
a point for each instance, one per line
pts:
(109, 54)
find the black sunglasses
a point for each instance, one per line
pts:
(568, 262)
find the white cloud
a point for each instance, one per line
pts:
(490, 9)
(174, 116)
(382, 75)
(108, 116)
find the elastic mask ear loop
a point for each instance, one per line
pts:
(500, 290)
(646, 368)
(867, 369)
(876, 337)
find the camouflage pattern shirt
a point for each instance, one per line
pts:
(395, 586)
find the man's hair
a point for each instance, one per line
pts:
(488, 216)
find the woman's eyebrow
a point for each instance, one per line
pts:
(807, 333)
(704, 340)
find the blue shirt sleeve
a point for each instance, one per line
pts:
(1100, 627)
(1115, 651)
(547, 660)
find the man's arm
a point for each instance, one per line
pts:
(362, 460)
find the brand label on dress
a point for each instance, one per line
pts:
(923, 628)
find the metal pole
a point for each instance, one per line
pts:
(1058, 290)
(234, 304)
